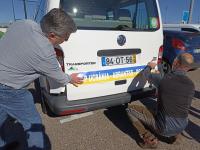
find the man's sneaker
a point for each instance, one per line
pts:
(176, 140)
(148, 141)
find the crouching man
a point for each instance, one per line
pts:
(175, 93)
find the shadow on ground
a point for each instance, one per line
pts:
(197, 94)
(195, 112)
(118, 116)
(193, 130)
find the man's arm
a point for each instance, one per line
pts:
(50, 67)
(153, 78)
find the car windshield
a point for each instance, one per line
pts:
(113, 14)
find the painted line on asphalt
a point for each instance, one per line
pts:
(76, 116)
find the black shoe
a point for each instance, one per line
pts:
(12, 146)
(171, 140)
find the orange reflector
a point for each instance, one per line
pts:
(73, 111)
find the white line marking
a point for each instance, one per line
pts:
(76, 116)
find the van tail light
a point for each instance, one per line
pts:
(60, 58)
(160, 54)
(178, 44)
(73, 111)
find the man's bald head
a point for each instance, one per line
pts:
(185, 59)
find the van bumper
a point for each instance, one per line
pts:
(60, 106)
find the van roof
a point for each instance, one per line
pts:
(184, 27)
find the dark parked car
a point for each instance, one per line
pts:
(176, 42)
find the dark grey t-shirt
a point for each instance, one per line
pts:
(176, 91)
(25, 54)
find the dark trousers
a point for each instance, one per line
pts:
(162, 125)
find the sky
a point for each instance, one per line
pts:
(171, 10)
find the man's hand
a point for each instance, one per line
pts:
(152, 64)
(75, 80)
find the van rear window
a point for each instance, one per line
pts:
(130, 15)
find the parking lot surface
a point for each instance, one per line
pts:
(108, 129)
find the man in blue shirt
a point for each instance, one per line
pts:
(27, 51)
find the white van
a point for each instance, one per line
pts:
(114, 41)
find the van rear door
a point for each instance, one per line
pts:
(114, 41)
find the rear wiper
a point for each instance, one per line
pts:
(123, 27)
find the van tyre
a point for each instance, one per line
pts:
(43, 104)
(45, 107)
(40, 96)
(37, 88)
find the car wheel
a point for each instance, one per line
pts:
(166, 66)
(43, 105)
